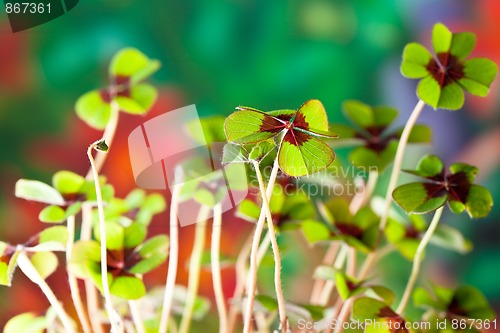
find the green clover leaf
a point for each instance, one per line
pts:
(463, 302)
(456, 188)
(301, 153)
(377, 148)
(445, 76)
(366, 308)
(128, 257)
(129, 67)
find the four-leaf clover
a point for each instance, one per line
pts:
(456, 188)
(446, 75)
(301, 153)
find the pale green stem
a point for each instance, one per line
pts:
(417, 261)
(216, 270)
(330, 284)
(398, 160)
(241, 274)
(194, 268)
(90, 290)
(73, 283)
(31, 272)
(329, 258)
(252, 275)
(173, 260)
(136, 316)
(277, 258)
(114, 318)
(107, 136)
(344, 315)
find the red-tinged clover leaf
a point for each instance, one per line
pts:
(359, 231)
(463, 302)
(445, 76)
(301, 153)
(150, 255)
(379, 314)
(127, 259)
(8, 263)
(128, 68)
(377, 147)
(26, 323)
(132, 63)
(456, 188)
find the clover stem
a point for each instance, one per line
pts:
(252, 274)
(328, 259)
(216, 273)
(73, 282)
(136, 316)
(194, 268)
(344, 315)
(173, 260)
(417, 261)
(241, 273)
(277, 259)
(328, 287)
(90, 290)
(398, 160)
(32, 273)
(107, 136)
(115, 320)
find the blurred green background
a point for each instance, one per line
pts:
(219, 54)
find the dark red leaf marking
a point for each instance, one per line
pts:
(7, 254)
(271, 124)
(411, 232)
(455, 308)
(300, 121)
(459, 186)
(120, 86)
(120, 262)
(350, 229)
(448, 69)
(296, 138)
(435, 190)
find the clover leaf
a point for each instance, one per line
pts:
(64, 198)
(301, 153)
(446, 75)
(39, 248)
(135, 207)
(384, 317)
(128, 68)
(407, 236)
(347, 286)
(358, 230)
(127, 256)
(446, 303)
(26, 323)
(456, 188)
(377, 147)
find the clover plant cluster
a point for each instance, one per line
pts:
(107, 241)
